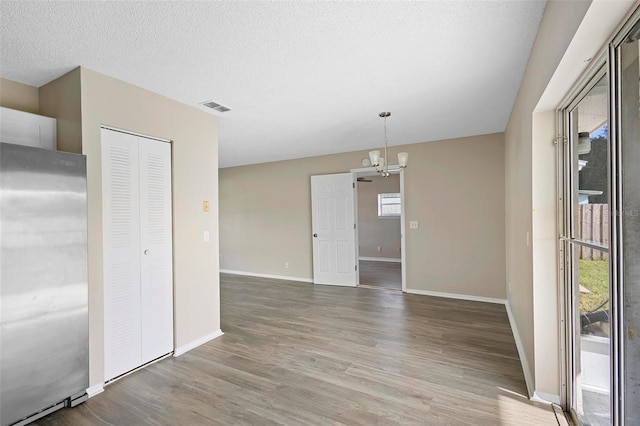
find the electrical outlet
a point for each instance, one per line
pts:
(286, 265)
(413, 224)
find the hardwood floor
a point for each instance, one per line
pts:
(298, 354)
(381, 274)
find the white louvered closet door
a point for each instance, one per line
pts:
(138, 290)
(121, 239)
(155, 236)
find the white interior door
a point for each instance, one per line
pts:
(333, 227)
(156, 270)
(121, 237)
(138, 271)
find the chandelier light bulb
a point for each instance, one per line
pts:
(374, 156)
(403, 159)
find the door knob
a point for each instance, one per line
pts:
(146, 252)
(315, 235)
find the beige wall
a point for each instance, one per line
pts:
(61, 99)
(544, 241)
(265, 214)
(558, 25)
(456, 192)
(570, 33)
(19, 96)
(454, 188)
(374, 231)
(107, 101)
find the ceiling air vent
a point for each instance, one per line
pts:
(216, 106)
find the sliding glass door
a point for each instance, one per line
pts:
(600, 237)
(586, 245)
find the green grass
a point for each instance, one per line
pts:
(594, 275)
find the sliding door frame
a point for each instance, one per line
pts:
(615, 241)
(607, 63)
(619, 416)
(567, 241)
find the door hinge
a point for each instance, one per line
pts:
(353, 185)
(354, 226)
(356, 267)
(558, 139)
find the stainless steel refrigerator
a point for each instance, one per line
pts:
(44, 353)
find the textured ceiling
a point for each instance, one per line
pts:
(302, 78)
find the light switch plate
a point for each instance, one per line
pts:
(206, 236)
(413, 224)
(205, 206)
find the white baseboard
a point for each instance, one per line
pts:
(546, 398)
(381, 259)
(528, 378)
(95, 390)
(255, 274)
(456, 296)
(201, 341)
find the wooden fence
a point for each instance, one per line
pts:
(593, 226)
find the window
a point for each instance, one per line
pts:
(389, 205)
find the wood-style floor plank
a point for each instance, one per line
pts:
(298, 354)
(380, 274)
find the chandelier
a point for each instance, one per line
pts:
(381, 163)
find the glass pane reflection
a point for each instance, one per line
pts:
(592, 359)
(590, 167)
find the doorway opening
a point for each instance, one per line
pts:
(379, 230)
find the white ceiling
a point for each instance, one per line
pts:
(302, 78)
